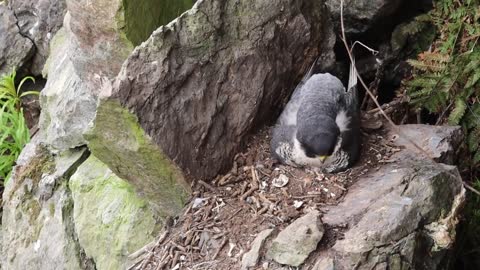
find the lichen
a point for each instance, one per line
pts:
(41, 163)
(117, 139)
(111, 221)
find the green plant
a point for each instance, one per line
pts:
(446, 79)
(14, 133)
(14, 136)
(10, 93)
(446, 83)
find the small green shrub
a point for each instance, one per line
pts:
(14, 133)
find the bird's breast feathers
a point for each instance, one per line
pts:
(343, 121)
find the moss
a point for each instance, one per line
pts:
(51, 209)
(141, 18)
(118, 140)
(111, 220)
(32, 209)
(41, 163)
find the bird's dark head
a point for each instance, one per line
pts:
(319, 141)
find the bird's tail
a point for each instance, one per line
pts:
(352, 92)
(352, 77)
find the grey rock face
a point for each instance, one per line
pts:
(199, 84)
(91, 44)
(440, 142)
(37, 227)
(400, 213)
(295, 243)
(251, 258)
(99, 44)
(39, 20)
(67, 103)
(359, 15)
(15, 49)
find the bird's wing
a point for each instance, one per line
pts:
(304, 80)
(289, 114)
(351, 97)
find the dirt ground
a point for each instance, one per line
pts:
(224, 216)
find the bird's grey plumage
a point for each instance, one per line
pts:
(319, 109)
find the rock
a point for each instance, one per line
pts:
(137, 159)
(15, 49)
(401, 212)
(324, 264)
(200, 83)
(440, 142)
(111, 221)
(68, 106)
(95, 40)
(37, 226)
(39, 20)
(360, 15)
(295, 243)
(106, 31)
(250, 259)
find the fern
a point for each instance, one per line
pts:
(446, 79)
(458, 112)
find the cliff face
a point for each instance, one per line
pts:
(143, 100)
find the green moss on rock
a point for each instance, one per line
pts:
(111, 221)
(41, 163)
(141, 18)
(117, 139)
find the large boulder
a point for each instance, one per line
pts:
(404, 214)
(68, 105)
(95, 40)
(198, 85)
(37, 223)
(69, 211)
(15, 49)
(39, 20)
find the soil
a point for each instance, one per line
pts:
(224, 215)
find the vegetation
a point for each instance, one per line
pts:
(446, 83)
(446, 79)
(14, 133)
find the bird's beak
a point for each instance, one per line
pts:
(322, 158)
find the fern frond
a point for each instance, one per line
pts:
(458, 112)
(421, 65)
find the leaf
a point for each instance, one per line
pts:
(23, 81)
(29, 93)
(476, 158)
(472, 141)
(458, 112)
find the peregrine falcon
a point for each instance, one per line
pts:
(320, 125)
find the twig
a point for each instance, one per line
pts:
(392, 124)
(472, 189)
(222, 244)
(374, 52)
(254, 184)
(150, 249)
(206, 185)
